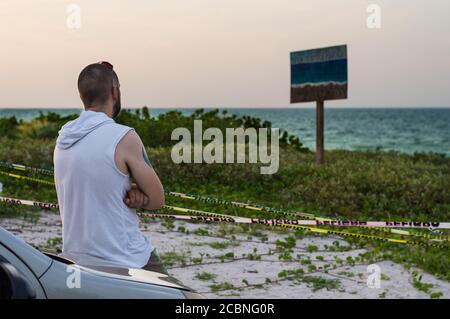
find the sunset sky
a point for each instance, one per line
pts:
(222, 53)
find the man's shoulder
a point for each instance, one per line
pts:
(130, 139)
(126, 149)
(121, 126)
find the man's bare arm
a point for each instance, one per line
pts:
(132, 151)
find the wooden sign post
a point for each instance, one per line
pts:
(320, 156)
(319, 75)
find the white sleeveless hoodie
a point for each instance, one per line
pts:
(98, 228)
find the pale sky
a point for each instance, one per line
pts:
(222, 53)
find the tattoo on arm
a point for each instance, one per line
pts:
(146, 159)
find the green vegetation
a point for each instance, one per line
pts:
(221, 286)
(222, 245)
(285, 255)
(346, 273)
(314, 282)
(168, 223)
(284, 247)
(288, 243)
(295, 273)
(312, 268)
(436, 295)
(419, 285)
(350, 261)
(385, 277)
(215, 244)
(201, 231)
(53, 245)
(252, 256)
(382, 295)
(312, 248)
(352, 184)
(306, 261)
(197, 260)
(337, 247)
(173, 258)
(228, 255)
(205, 276)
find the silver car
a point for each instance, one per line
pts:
(27, 273)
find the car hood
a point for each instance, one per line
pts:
(138, 275)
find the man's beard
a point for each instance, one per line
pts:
(117, 107)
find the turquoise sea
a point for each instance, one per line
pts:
(401, 129)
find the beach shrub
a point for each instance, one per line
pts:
(8, 127)
(156, 132)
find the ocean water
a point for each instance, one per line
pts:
(400, 129)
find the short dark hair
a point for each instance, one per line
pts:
(95, 82)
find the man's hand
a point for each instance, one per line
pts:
(135, 198)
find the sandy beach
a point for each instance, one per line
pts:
(220, 261)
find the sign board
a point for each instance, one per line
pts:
(319, 74)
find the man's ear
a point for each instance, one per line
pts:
(115, 93)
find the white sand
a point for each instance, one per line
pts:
(396, 280)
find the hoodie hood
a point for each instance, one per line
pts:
(75, 130)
